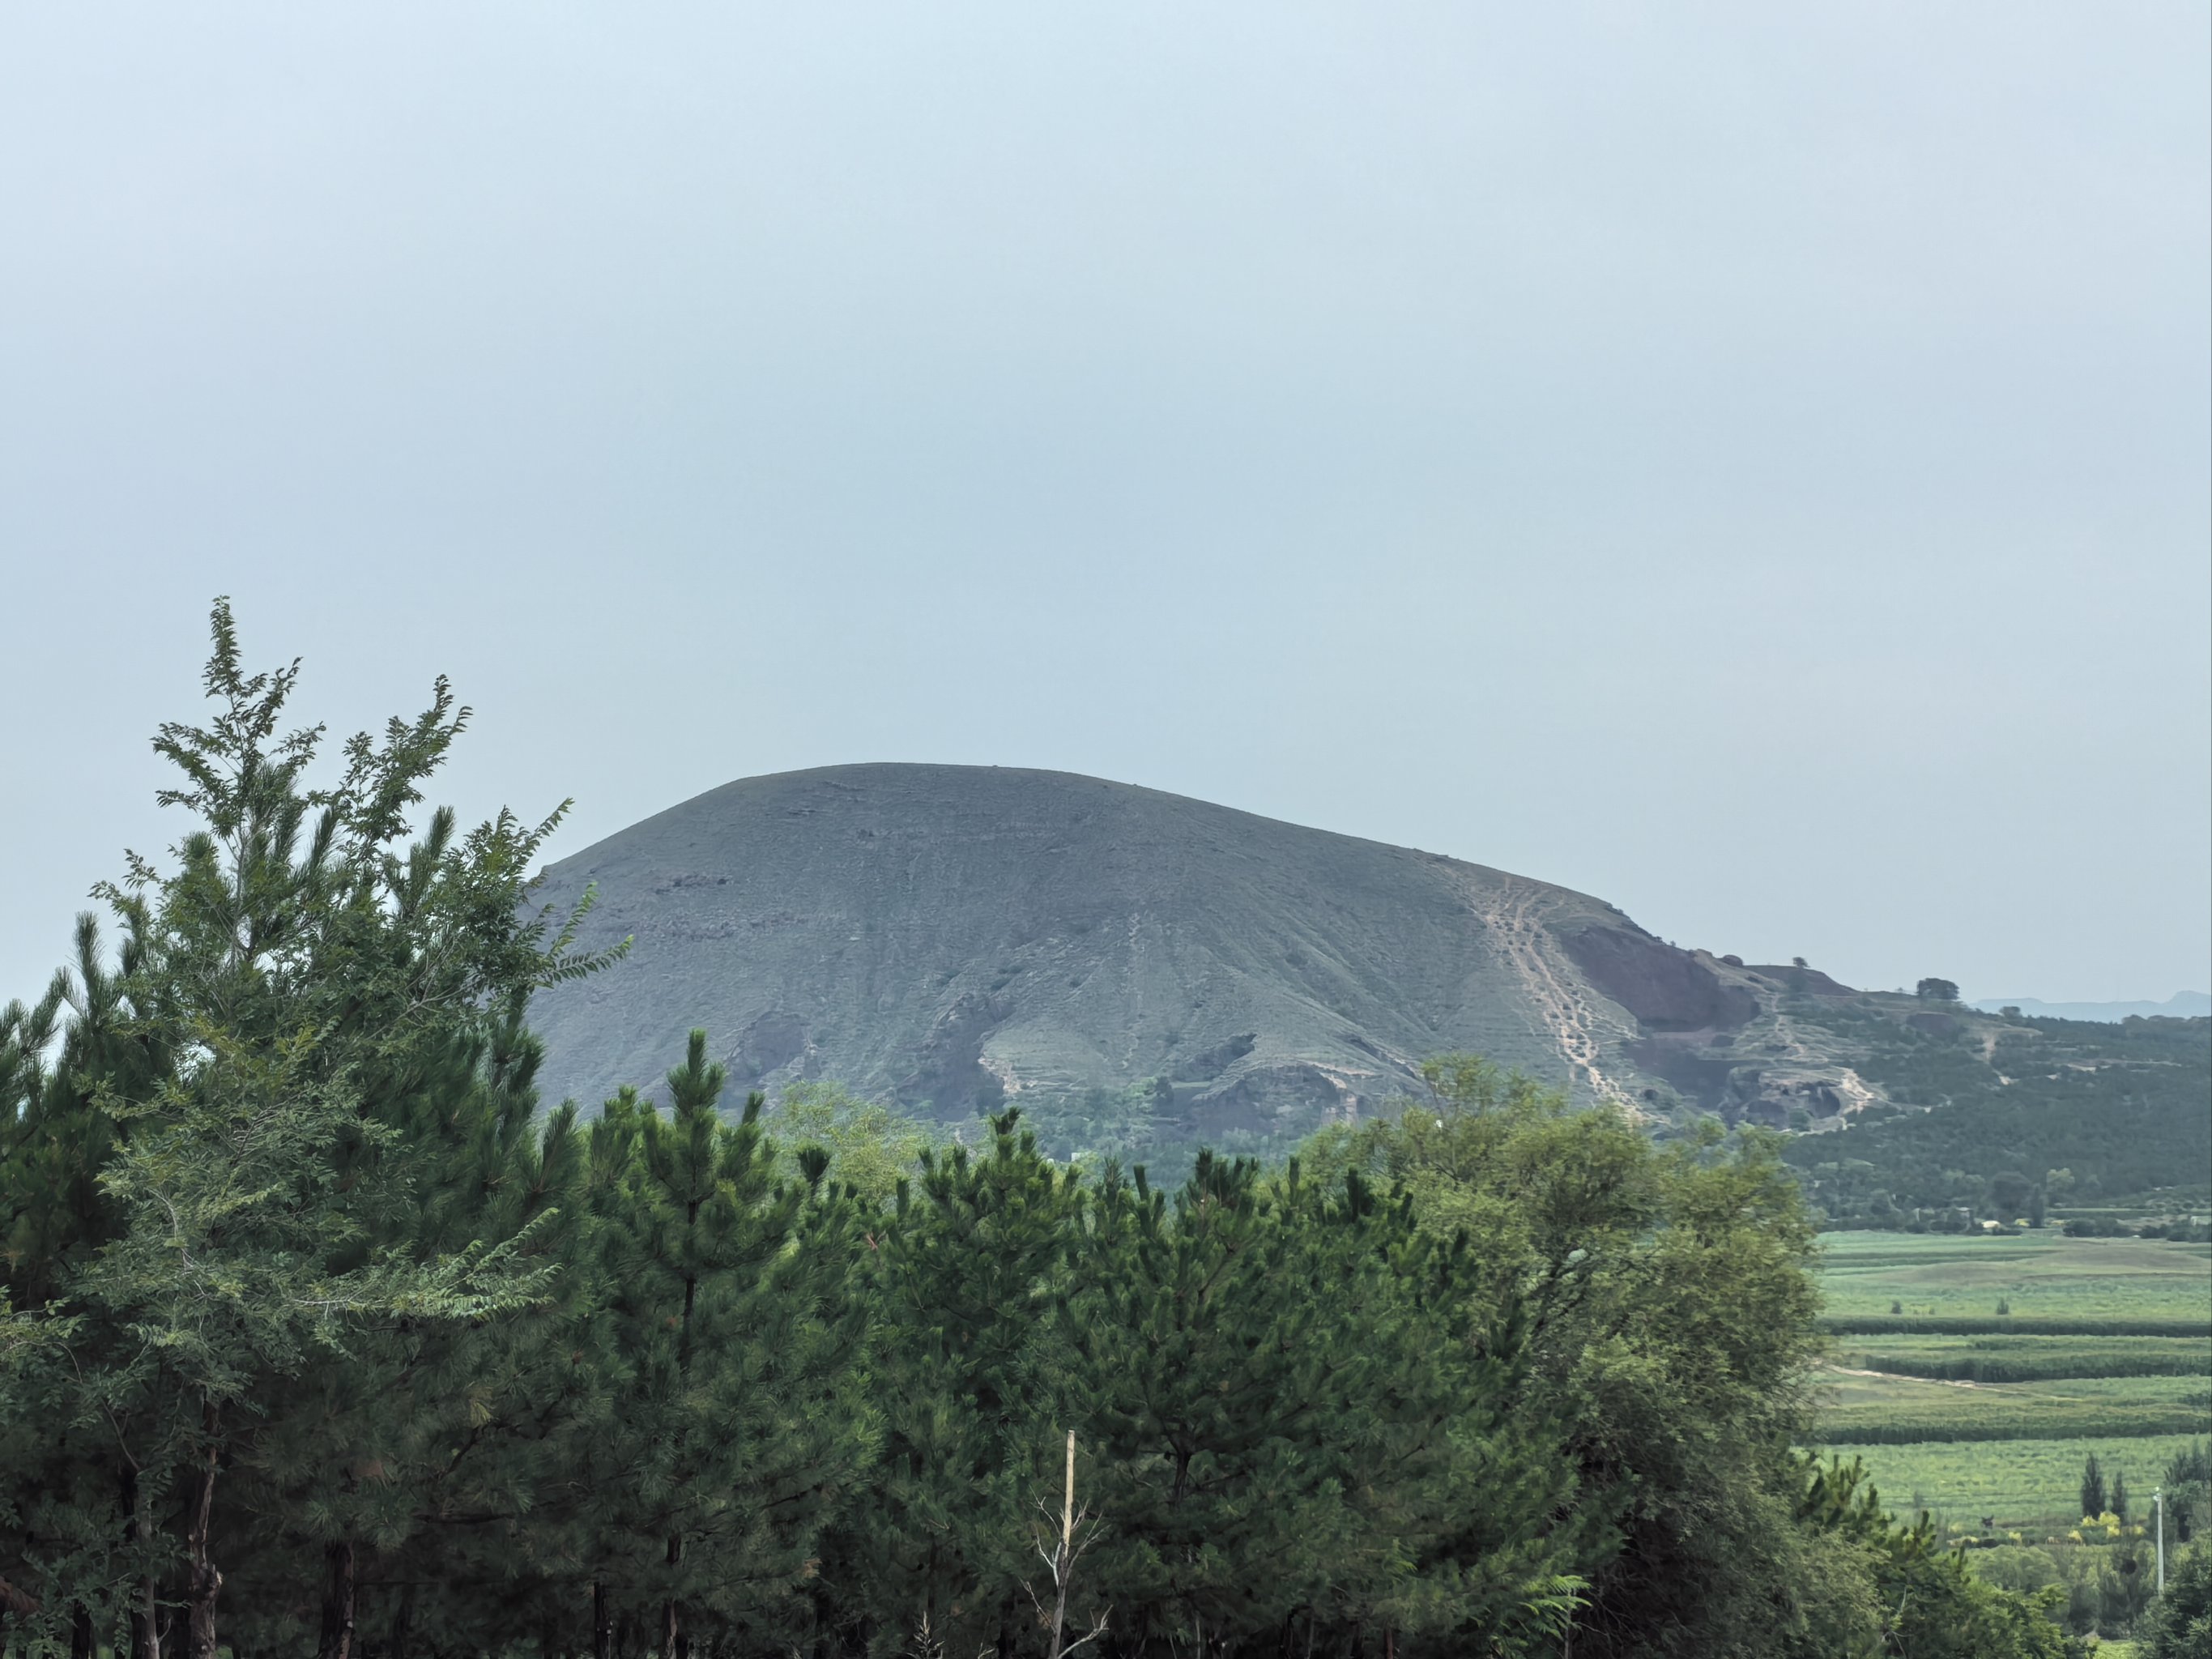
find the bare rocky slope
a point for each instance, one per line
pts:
(948, 937)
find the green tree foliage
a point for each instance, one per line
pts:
(208, 1231)
(2072, 1107)
(1925, 1602)
(2188, 1487)
(2010, 1193)
(968, 1268)
(1099, 1125)
(1669, 1314)
(740, 1425)
(1290, 1407)
(2093, 1487)
(871, 1146)
(2181, 1622)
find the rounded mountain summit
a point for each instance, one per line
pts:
(951, 937)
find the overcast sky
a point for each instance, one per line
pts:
(1748, 462)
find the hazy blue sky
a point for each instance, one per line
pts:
(1747, 461)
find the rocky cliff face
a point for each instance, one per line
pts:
(951, 937)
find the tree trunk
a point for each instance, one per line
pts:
(206, 1583)
(673, 1643)
(602, 1623)
(402, 1616)
(145, 1627)
(83, 1643)
(337, 1602)
(1063, 1563)
(145, 1638)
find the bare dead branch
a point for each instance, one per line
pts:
(1097, 1630)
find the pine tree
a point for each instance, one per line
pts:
(1197, 1385)
(57, 1134)
(2092, 1488)
(437, 1452)
(61, 1471)
(1286, 1447)
(739, 1424)
(280, 981)
(967, 1270)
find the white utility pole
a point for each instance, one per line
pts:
(2158, 1505)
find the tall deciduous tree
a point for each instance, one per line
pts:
(1667, 1309)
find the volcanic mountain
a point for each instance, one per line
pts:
(949, 936)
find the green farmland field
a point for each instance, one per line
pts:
(1863, 1409)
(2029, 1486)
(2040, 1275)
(1995, 1415)
(2025, 1358)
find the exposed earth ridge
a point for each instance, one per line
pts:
(948, 937)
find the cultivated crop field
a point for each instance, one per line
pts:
(2023, 1358)
(2105, 1346)
(1861, 1410)
(2025, 1485)
(2040, 1275)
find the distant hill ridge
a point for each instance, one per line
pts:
(948, 937)
(2182, 1005)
